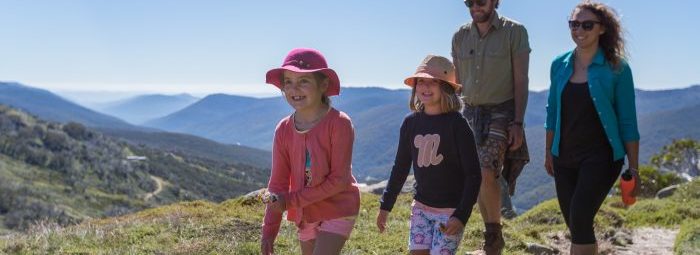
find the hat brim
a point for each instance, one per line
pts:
(411, 80)
(274, 77)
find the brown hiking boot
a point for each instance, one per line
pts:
(493, 239)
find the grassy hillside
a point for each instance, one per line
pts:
(233, 227)
(185, 144)
(688, 241)
(66, 173)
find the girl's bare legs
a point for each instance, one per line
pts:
(307, 247)
(328, 243)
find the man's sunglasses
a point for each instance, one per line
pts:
(470, 3)
(587, 25)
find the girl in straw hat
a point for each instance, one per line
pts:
(311, 176)
(437, 142)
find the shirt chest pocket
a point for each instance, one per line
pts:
(496, 50)
(463, 46)
(465, 52)
(496, 58)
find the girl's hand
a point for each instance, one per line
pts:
(280, 205)
(381, 220)
(267, 246)
(548, 163)
(453, 226)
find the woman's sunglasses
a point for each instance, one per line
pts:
(470, 3)
(587, 25)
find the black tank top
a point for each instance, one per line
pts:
(581, 129)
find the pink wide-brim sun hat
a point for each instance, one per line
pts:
(305, 60)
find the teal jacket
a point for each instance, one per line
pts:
(612, 92)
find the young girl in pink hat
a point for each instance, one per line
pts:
(437, 142)
(311, 175)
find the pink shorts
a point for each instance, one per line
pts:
(341, 226)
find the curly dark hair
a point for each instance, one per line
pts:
(612, 41)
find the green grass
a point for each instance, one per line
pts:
(52, 172)
(671, 212)
(48, 187)
(185, 228)
(688, 239)
(233, 227)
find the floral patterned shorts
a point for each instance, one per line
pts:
(425, 230)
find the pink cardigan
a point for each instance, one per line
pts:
(333, 192)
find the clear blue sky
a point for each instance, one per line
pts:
(227, 46)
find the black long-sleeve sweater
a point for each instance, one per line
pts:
(442, 152)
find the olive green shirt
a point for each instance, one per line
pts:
(485, 64)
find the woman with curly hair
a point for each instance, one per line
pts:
(591, 120)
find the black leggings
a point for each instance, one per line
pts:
(582, 186)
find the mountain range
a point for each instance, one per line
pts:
(49, 106)
(137, 110)
(377, 114)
